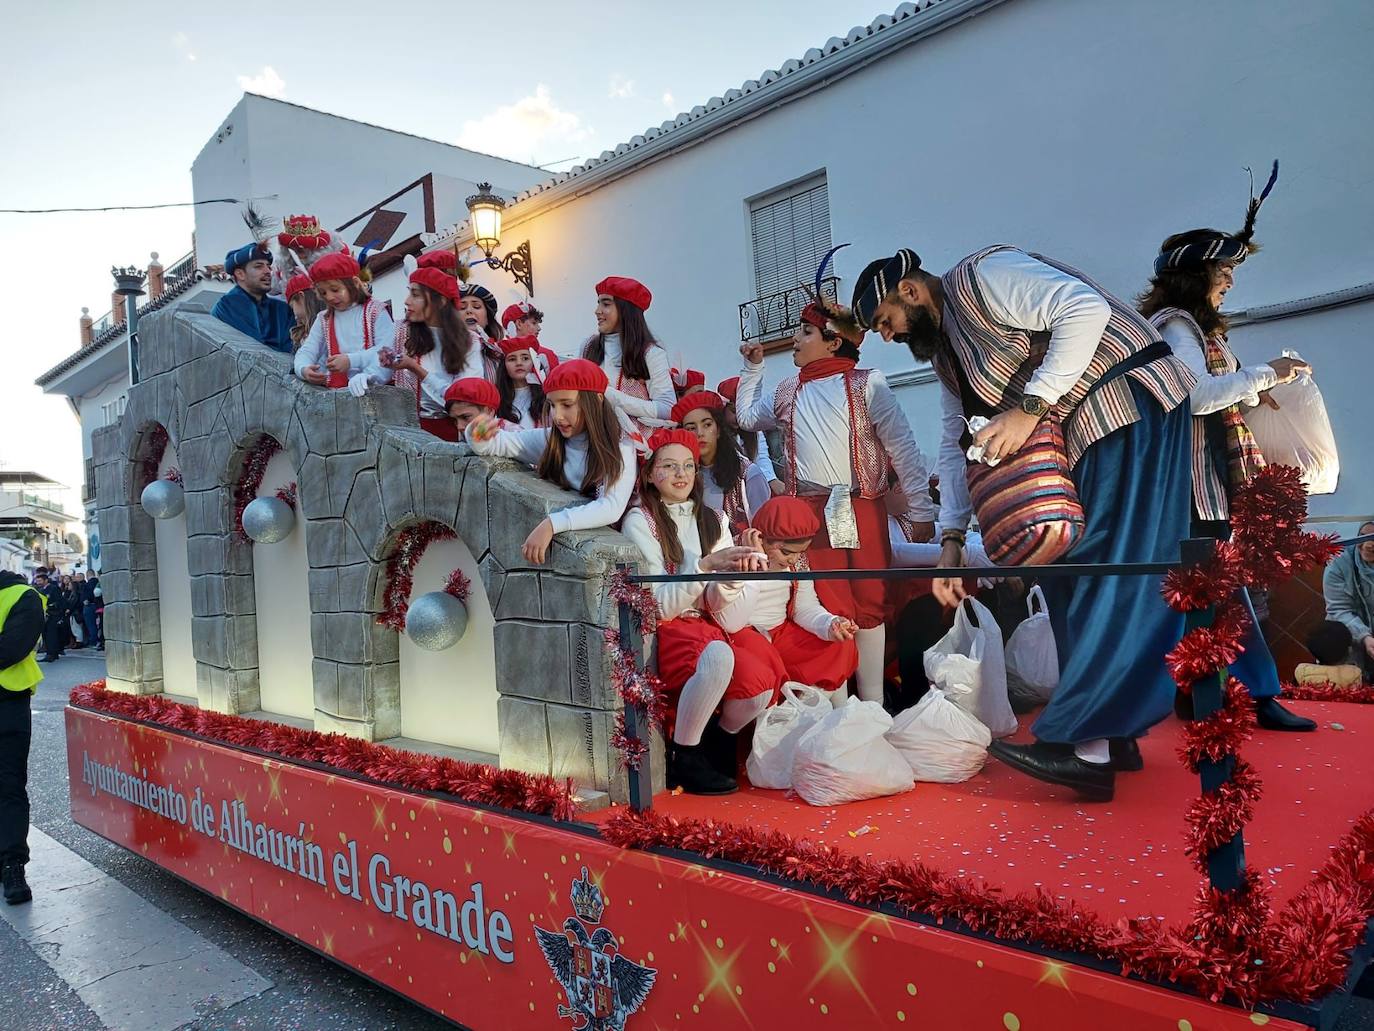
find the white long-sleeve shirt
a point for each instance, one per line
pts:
(1213, 393)
(762, 604)
(348, 329)
(821, 429)
(765, 460)
(437, 379)
(756, 490)
(521, 403)
(662, 396)
(1026, 293)
(527, 445)
(676, 599)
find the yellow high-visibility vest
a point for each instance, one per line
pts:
(24, 675)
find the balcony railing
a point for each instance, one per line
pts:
(88, 486)
(768, 319)
(176, 279)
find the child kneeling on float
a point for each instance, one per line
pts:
(702, 667)
(815, 645)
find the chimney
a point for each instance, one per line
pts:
(86, 323)
(117, 309)
(155, 285)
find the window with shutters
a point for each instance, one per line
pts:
(790, 233)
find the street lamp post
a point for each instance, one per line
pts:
(129, 285)
(485, 209)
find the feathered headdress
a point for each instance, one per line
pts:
(828, 316)
(1189, 252)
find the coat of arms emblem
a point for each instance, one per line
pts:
(603, 987)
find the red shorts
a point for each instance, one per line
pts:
(810, 660)
(864, 601)
(681, 641)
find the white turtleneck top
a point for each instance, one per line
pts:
(662, 396)
(676, 599)
(528, 445)
(756, 489)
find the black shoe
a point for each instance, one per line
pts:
(1183, 705)
(1270, 715)
(16, 888)
(720, 748)
(1093, 781)
(1125, 754)
(690, 768)
(48, 658)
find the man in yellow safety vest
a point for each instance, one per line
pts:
(22, 610)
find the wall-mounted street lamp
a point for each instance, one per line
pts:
(485, 209)
(129, 285)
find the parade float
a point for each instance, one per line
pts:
(341, 701)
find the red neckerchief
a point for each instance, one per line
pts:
(823, 367)
(340, 379)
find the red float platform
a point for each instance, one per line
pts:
(499, 929)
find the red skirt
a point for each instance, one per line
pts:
(810, 660)
(758, 668)
(444, 429)
(864, 601)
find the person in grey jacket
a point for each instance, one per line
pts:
(1349, 588)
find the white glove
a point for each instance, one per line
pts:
(357, 384)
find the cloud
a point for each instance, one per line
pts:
(532, 125)
(621, 87)
(182, 43)
(668, 101)
(267, 82)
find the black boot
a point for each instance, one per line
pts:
(1054, 765)
(1270, 715)
(720, 747)
(1125, 753)
(1183, 705)
(690, 768)
(16, 888)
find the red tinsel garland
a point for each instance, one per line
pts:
(1360, 694)
(260, 452)
(174, 474)
(637, 688)
(400, 570)
(458, 585)
(286, 494)
(637, 596)
(415, 771)
(153, 450)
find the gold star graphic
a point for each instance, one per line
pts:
(379, 816)
(509, 837)
(835, 956)
(274, 793)
(722, 977)
(1055, 973)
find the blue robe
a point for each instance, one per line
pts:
(268, 321)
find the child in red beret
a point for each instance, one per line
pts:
(582, 449)
(343, 347)
(434, 348)
(754, 444)
(467, 399)
(635, 363)
(730, 482)
(520, 381)
(702, 668)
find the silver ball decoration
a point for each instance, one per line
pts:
(163, 499)
(436, 621)
(268, 520)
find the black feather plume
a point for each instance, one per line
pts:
(1248, 231)
(261, 226)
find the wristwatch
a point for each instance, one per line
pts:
(1036, 406)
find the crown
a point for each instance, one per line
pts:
(302, 225)
(586, 899)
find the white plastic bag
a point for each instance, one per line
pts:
(940, 741)
(1032, 658)
(1299, 433)
(779, 729)
(971, 655)
(844, 757)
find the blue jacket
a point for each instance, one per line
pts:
(268, 321)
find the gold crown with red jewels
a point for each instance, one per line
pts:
(586, 899)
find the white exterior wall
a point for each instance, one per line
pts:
(1050, 124)
(319, 164)
(89, 406)
(449, 697)
(174, 597)
(281, 585)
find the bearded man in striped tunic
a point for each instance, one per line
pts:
(1017, 338)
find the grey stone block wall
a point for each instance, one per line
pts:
(365, 472)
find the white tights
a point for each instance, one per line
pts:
(702, 692)
(871, 644)
(738, 713)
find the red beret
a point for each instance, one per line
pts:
(300, 281)
(334, 266)
(630, 290)
(510, 345)
(662, 438)
(473, 390)
(437, 280)
(691, 402)
(515, 312)
(786, 518)
(445, 260)
(728, 388)
(814, 314)
(577, 374)
(694, 378)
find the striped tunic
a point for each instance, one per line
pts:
(998, 360)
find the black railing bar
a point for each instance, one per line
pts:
(935, 572)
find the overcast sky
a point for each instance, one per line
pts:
(99, 110)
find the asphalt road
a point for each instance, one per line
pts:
(306, 993)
